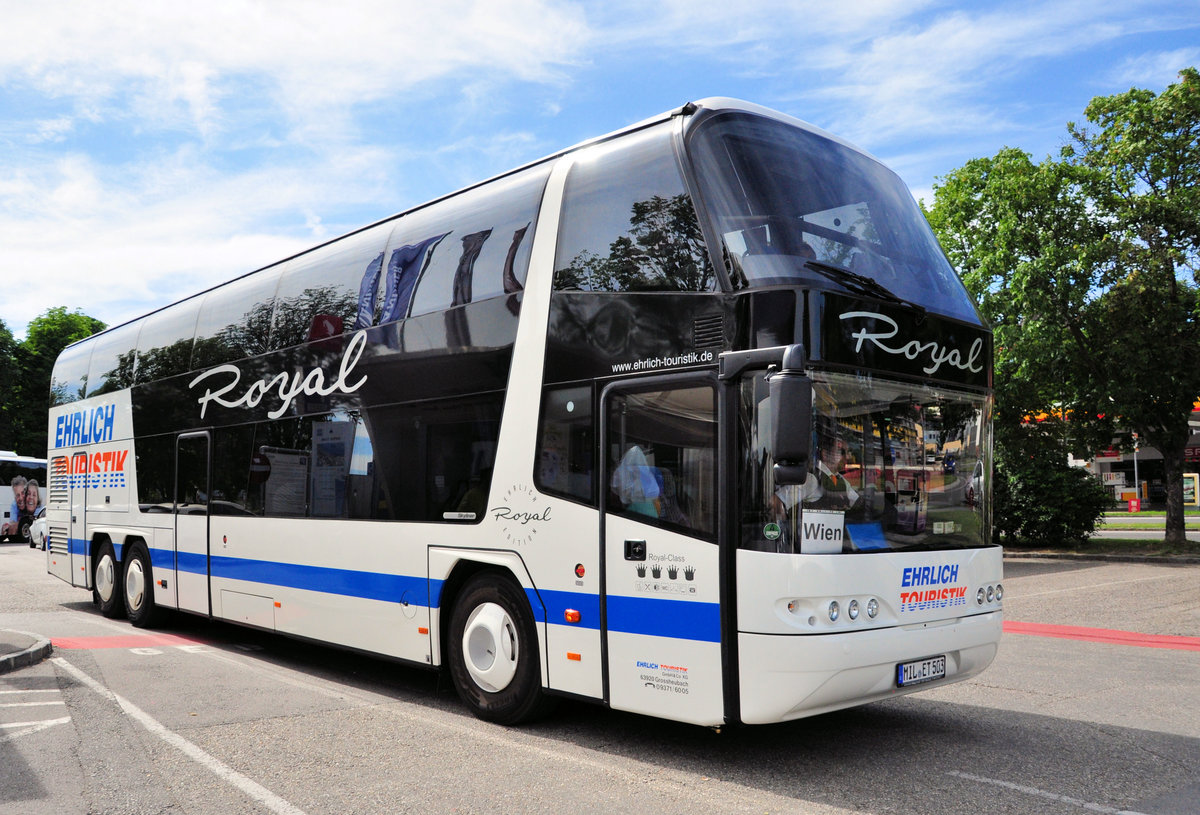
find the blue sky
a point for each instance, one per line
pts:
(150, 150)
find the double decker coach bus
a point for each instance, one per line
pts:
(641, 423)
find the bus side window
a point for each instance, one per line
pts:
(566, 442)
(662, 458)
(628, 224)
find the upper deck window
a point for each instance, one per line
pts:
(68, 383)
(795, 207)
(113, 360)
(627, 222)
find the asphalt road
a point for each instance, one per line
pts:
(209, 718)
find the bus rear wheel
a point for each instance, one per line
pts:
(106, 582)
(139, 588)
(493, 652)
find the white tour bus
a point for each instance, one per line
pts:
(648, 422)
(12, 466)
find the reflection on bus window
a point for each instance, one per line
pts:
(661, 449)
(892, 463)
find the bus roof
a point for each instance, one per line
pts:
(711, 103)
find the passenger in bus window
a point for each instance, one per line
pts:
(18, 504)
(635, 484)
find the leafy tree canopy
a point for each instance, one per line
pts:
(1086, 264)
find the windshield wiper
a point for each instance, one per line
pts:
(862, 284)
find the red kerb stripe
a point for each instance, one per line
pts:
(122, 641)
(1074, 632)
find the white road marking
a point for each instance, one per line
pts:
(32, 727)
(1016, 594)
(1049, 796)
(223, 771)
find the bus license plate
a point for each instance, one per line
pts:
(920, 670)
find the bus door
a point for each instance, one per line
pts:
(77, 527)
(660, 604)
(191, 521)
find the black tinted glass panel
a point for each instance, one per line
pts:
(235, 320)
(662, 458)
(322, 293)
(69, 380)
(112, 362)
(566, 442)
(467, 248)
(165, 342)
(191, 476)
(429, 462)
(795, 207)
(155, 472)
(628, 224)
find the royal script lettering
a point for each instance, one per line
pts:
(936, 353)
(510, 514)
(286, 387)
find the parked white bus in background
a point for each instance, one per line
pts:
(641, 423)
(13, 466)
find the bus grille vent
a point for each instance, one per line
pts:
(56, 539)
(58, 481)
(708, 332)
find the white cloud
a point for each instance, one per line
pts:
(311, 59)
(148, 150)
(1154, 69)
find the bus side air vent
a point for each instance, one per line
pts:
(709, 332)
(56, 539)
(58, 481)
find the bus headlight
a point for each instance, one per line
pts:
(834, 611)
(872, 608)
(991, 594)
(999, 592)
(852, 610)
(979, 596)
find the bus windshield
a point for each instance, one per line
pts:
(894, 467)
(795, 207)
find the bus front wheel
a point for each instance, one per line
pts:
(106, 582)
(493, 651)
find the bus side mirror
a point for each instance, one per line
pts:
(791, 418)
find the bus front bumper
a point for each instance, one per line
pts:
(790, 677)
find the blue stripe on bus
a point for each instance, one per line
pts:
(651, 616)
(678, 619)
(367, 585)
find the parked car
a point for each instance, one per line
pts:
(37, 530)
(975, 487)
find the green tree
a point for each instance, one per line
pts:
(8, 375)
(34, 359)
(1081, 265)
(1142, 154)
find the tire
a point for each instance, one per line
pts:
(24, 530)
(138, 588)
(493, 652)
(106, 582)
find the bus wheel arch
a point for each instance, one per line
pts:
(138, 584)
(493, 650)
(107, 577)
